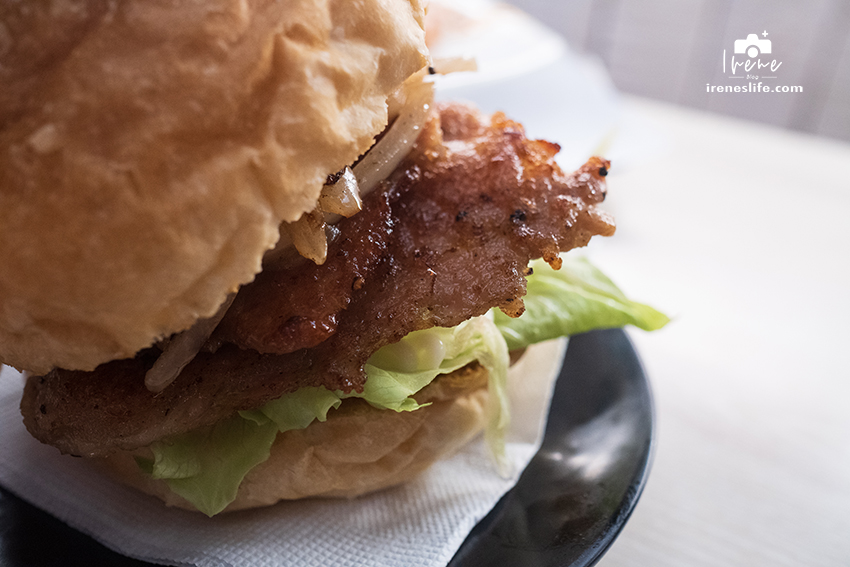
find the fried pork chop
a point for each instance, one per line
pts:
(448, 236)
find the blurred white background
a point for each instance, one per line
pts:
(669, 49)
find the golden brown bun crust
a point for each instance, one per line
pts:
(359, 449)
(150, 148)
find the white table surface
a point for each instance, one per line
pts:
(741, 232)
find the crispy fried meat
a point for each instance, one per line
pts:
(291, 307)
(447, 237)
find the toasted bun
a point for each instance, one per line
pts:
(150, 149)
(359, 449)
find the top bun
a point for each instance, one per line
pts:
(149, 150)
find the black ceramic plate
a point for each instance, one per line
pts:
(565, 511)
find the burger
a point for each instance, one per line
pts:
(246, 258)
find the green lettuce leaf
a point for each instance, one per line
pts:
(575, 299)
(296, 410)
(206, 466)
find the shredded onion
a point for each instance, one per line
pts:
(182, 348)
(448, 65)
(341, 198)
(398, 140)
(308, 236)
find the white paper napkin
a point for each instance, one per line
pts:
(419, 524)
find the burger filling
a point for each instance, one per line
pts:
(399, 299)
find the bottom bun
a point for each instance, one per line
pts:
(359, 448)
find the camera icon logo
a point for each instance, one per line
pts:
(752, 46)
